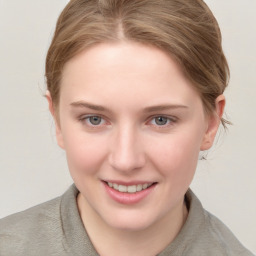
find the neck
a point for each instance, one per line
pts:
(150, 241)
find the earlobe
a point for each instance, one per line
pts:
(213, 123)
(59, 136)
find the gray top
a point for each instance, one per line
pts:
(55, 228)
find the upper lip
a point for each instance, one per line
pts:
(129, 183)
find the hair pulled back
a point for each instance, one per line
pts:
(184, 29)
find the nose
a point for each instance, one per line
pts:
(126, 152)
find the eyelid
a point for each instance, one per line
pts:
(172, 120)
(84, 118)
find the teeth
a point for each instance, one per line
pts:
(139, 187)
(122, 188)
(129, 189)
(144, 186)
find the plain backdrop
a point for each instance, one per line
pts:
(32, 167)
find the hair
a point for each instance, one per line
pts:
(185, 29)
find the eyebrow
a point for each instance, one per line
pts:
(84, 104)
(164, 107)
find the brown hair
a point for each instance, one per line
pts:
(185, 29)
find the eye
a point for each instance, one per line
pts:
(162, 121)
(94, 120)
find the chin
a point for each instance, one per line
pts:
(134, 222)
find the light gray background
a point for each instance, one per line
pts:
(33, 168)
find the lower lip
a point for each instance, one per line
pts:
(128, 198)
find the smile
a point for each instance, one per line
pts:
(129, 189)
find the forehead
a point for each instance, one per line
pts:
(125, 70)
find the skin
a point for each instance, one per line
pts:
(132, 82)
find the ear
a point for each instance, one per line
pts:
(59, 136)
(213, 123)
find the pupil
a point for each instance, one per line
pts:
(161, 120)
(95, 120)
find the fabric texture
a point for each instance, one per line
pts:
(55, 228)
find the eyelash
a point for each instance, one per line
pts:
(170, 121)
(86, 120)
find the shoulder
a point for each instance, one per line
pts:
(204, 234)
(33, 226)
(222, 237)
(212, 235)
(26, 220)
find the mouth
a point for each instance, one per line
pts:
(129, 193)
(131, 189)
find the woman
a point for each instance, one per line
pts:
(136, 92)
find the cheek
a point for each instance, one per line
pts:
(84, 154)
(176, 157)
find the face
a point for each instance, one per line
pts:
(132, 127)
